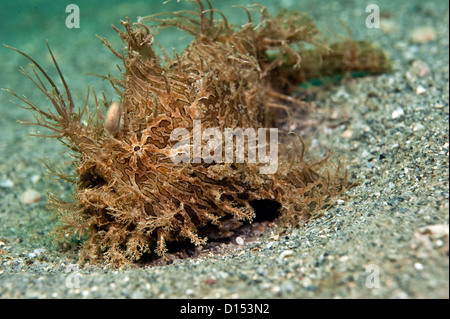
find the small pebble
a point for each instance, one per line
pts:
(438, 230)
(439, 243)
(419, 68)
(401, 295)
(347, 134)
(388, 26)
(418, 266)
(420, 90)
(270, 244)
(398, 113)
(276, 289)
(306, 282)
(30, 196)
(189, 292)
(6, 183)
(286, 254)
(418, 127)
(239, 241)
(35, 178)
(39, 251)
(423, 34)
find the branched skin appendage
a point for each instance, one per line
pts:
(131, 198)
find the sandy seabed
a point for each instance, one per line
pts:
(386, 238)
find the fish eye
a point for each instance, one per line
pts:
(137, 148)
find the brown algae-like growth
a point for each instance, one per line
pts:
(136, 189)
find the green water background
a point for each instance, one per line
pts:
(375, 224)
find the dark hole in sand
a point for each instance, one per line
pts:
(222, 240)
(265, 210)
